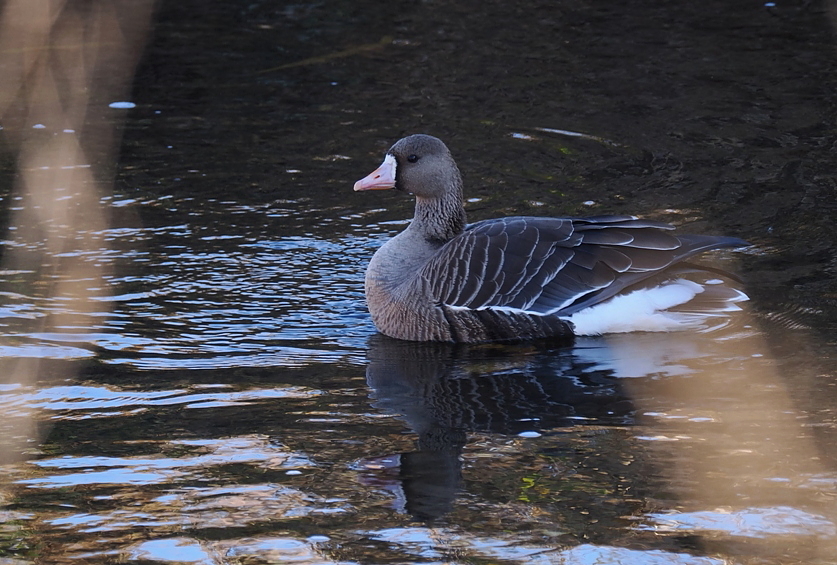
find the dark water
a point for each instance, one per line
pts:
(231, 402)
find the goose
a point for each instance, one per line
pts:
(524, 277)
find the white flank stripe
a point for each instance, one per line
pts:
(641, 311)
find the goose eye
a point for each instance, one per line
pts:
(412, 158)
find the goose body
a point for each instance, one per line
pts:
(526, 277)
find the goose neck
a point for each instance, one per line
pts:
(440, 219)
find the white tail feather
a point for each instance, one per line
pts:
(649, 309)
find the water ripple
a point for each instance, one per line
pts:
(194, 296)
(84, 402)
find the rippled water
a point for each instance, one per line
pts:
(620, 450)
(191, 295)
(227, 401)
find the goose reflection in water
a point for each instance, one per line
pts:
(710, 417)
(444, 391)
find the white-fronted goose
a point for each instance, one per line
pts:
(526, 277)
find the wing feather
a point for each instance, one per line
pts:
(555, 265)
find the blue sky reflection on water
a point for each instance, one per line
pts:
(213, 301)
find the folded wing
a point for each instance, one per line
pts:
(555, 265)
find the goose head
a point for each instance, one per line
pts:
(419, 164)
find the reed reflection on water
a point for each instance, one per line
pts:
(63, 64)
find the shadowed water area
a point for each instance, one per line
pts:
(226, 399)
